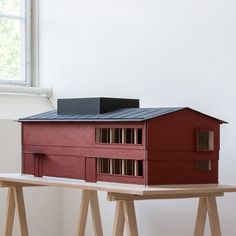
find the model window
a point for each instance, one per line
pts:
(205, 140)
(103, 135)
(120, 167)
(140, 137)
(140, 168)
(133, 136)
(117, 166)
(119, 135)
(133, 167)
(129, 168)
(129, 136)
(203, 165)
(103, 165)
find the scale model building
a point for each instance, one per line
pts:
(112, 139)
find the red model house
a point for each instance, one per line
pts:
(109, 139)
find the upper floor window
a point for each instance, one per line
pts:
(119, 135)
(205, 140)
(15, 37)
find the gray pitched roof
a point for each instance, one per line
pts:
(127, 114)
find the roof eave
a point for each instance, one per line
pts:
(76, 120)
(214, 118)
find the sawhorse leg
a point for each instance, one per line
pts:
(207, 205)
(125, 213)
(15, 198)
(89, 196)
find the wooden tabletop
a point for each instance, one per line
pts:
(18, 178)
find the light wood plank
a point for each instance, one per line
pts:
(96, 217)
(83, 212)
(213, 216)
(7, 184)
(19, 198)
(121, 196)
(201, 217)
(130, 218)
(10, 212)
(117, 187)
(119, 221)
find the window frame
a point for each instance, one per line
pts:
(136, 139)
(30, 45)
(211, 140)
(119, 165)
(199, 168)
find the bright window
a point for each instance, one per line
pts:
(15, 35)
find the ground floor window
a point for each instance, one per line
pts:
(203, 165)
(120, 167)
(103, 165)
(116, 166)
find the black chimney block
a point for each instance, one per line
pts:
(97, 105)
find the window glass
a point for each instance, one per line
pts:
(203, 165)
(129, 135)
(205, 140)
(139, 136)
(117, 166)
(118, 135)
(129, 167)
(9, 49)
(140, 168)
(104, 165)
(10, 7)
(120, 166)
(14, 41)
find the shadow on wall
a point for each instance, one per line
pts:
(13, 107)
(10, 145)
(40, 210)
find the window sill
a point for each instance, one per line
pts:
(119, 175)
(25, 90)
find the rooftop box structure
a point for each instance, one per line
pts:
(109, 139)
(99, 105)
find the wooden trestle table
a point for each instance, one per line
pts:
(123, 194)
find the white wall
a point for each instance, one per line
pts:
(165, 52)
(42, 204)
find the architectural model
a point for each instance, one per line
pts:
(113, 140)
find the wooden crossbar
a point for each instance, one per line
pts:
(121, 196)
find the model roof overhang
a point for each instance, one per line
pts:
(121, 115)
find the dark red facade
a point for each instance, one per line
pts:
(168, 151)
